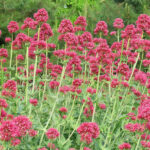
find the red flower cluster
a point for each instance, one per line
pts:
(12, 129)
(134, 127)
(3, 103)
(87, 131)
(80, 24)
(52, 133)
(3, 52)
(124, 146)
(13, 26)
(34, 102)
(29, 23)
(9, 88)
(41, 15)
(101, 26)
(118, 23)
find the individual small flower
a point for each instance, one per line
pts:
(13, 26)
(118, 23)
(3, 52)
(124, 146)
(63, 109)
(114, 83)
(52, 133)
(0, 33)
(34, 102)
(32, 132)
(7, 39)
(102, 106)
(86, 148)
(113, 33)
(41, 15)
(53, 84)
(15, 142)
(77, 82)
(3, 103)
(64, 116)
(51, 146)
(43, 148)
(20, 57)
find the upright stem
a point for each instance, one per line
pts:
(35, 67)
(11, 53)
(27, 68)
(1, 72)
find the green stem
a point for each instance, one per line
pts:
(27, 68)
(11, 54)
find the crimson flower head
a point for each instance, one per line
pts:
(15, 142)
(86, 148)
(65, 26)
(13, 26)
(43, 148)
(118, 23)
(102, 106)
(81, 20)
(20, 57)
(45, 32)
(23, 124)
(87, 131)
(3, 52)
(9, 88)
(101, 26)
(7, 39)
(7, 130)
(34, 102)
(3, 103)
(41, 15)
(80, 23)
(143, 23)
(29, 23)
(32, 132)
(52, 133)
(124, 146)
(63, 109)
(53, 84)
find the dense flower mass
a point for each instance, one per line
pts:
(78, 82)
(11, 129)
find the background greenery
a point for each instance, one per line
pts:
(94, 10)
